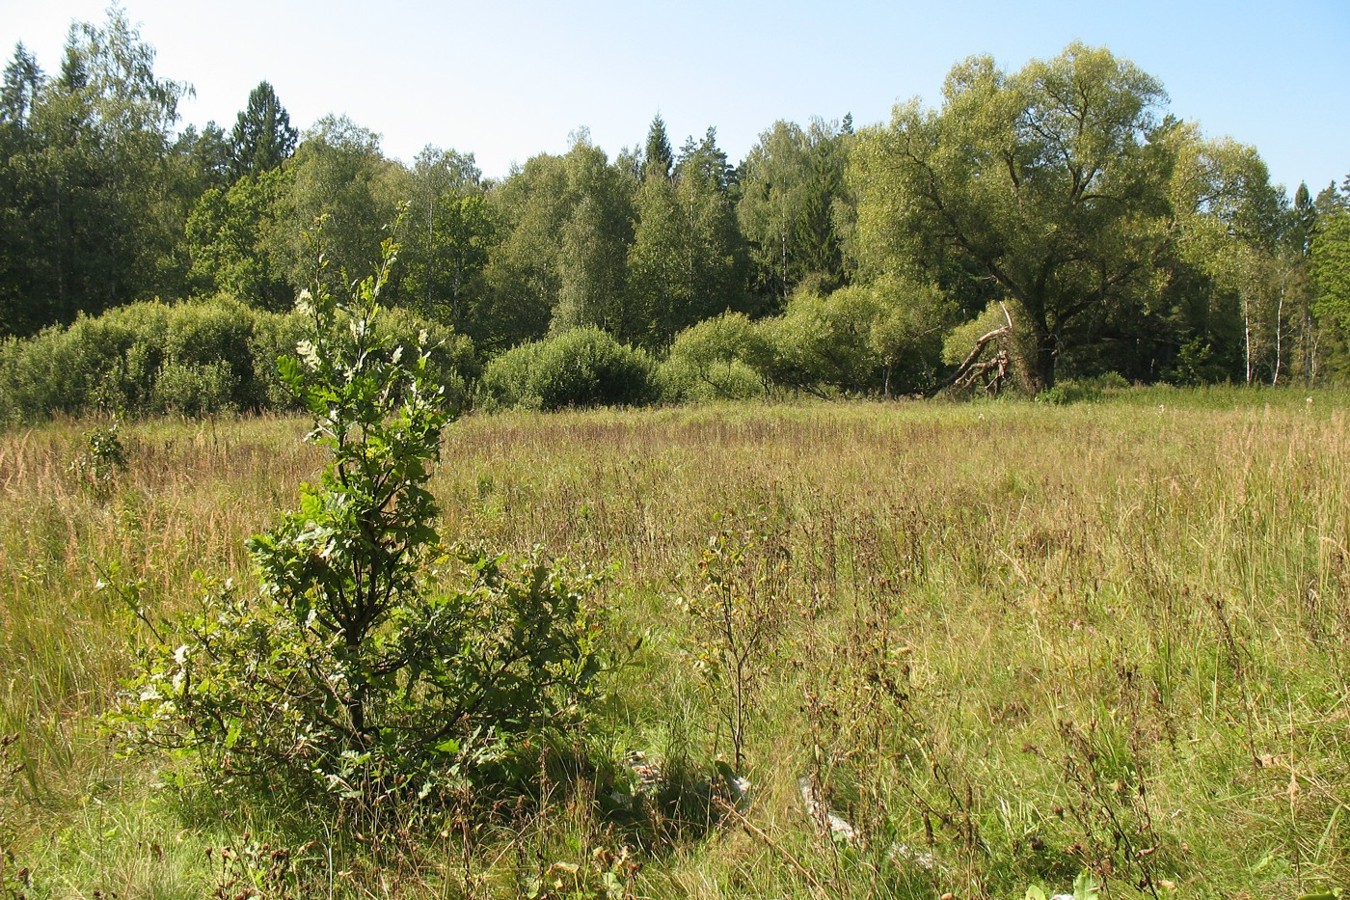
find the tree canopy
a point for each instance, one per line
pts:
(1062, 196)
(1051, 183)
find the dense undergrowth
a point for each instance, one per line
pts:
(951, 648)
(216, 356)
(205, 358)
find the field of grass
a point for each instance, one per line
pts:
(999, 643)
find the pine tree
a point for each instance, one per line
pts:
(263, 137)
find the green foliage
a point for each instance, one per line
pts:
(1195, 365)
(579, 368)
(64, 371)
(905, 332)
(827, 341)
(291, 692)
(192, 359)
(998, 347)
(823, 341)
(715, 360)
(879, 337)
(452, 361)
(1230, 219)
(445, 279)
(1082, 390)
(594, 244)
(658, 157)
(337, 172)
(231, 240)
(344, 679)
(193, 389)
(792, 184)
(742, 604)
(1006, 181)
(89, 207)
(1331, 269)
(262, 138)
(688, 260)
(103, 459)
(116, 361)
(566, 225)
(1122, 238)
(533, 206)
(446, 235)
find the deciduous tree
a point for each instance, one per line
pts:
(790, 185)
(532, 206)
(338, 172)
(1229, 222)
(595, 241)
(688, 259)
(232, 241)
(447, 234)
(1050, 183)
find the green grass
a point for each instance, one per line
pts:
(1014, 639)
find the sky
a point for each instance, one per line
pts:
(508, 79)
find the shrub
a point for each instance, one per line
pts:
(1082, 390)
(863, 338)
(274, 337)
(508, 379)
(714, 360)
(822, 342)
(59, 371)
(452, 364)
(214, 336)
(191, 359)
(679, 381)
(344, 678)
(97, 467)
(579, 368)
(193, 390)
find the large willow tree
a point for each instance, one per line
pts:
(1050, 184)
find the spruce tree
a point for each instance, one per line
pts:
(659, 158)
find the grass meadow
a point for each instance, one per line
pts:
(955, 650)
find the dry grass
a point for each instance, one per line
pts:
(1017, 640)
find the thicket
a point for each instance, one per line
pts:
(722, 358)
(579, 368)
(855, 341)
(218, 355)
(191, 359)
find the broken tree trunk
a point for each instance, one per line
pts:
(972, 367)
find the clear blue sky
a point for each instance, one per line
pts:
(507, 79)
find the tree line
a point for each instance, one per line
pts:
(1060, 200)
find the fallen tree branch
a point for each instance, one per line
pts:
(971, 368)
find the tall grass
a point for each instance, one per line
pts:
(1004, 642)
